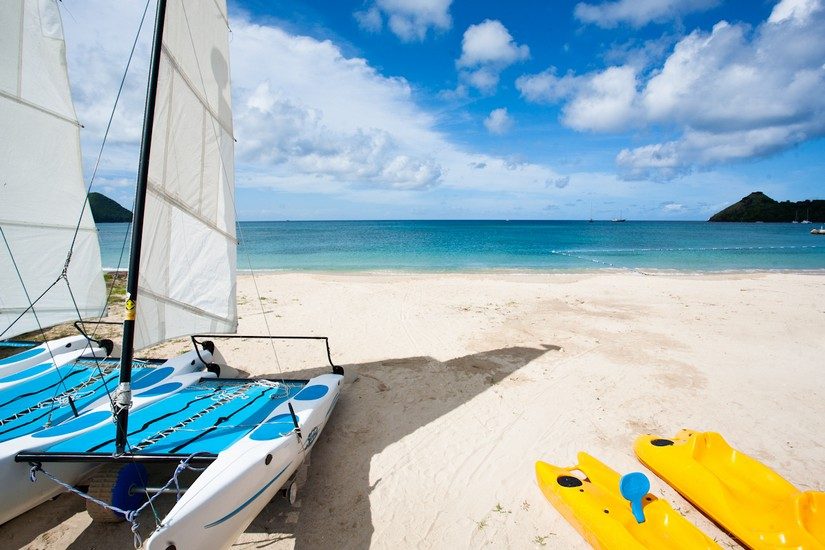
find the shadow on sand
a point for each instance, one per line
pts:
(334, 510)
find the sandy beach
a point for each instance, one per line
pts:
(457, 383)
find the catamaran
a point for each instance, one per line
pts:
(250, 435)
(50, 268)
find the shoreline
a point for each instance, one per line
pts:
(516, 271)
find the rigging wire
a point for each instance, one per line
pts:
(31, 306)
(97, 166)
(64, 275)
(108, 128)
(216, 135)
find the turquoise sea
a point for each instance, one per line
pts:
(435, 246)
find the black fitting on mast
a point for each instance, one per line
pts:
(123, 399)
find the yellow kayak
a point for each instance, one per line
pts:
(593, 504)
(748, 499)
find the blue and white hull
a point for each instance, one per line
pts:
(230, 493)
(44, 353)
(19, 493)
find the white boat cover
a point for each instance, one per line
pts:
(187, 265)
(42, 192)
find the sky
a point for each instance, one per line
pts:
(477, 109)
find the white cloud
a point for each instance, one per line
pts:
(670, 207)
(490, 42)
(794, 10)
(370, 19)
(409, 20)
(638, 12)
(605, 101)
(498, 122)
(546, 87)
(599, 101)
(273, 130)
(313, 121)
(486, 50)
(484, 79)
(733, 93)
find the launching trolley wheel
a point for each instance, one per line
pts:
(112, 484)
(291, 492)
(296, 482)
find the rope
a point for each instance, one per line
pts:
(60, 399)
(601, 262)
(130, 515)
(31, 306)
(690, 249)
(95, 359)
(577, 253)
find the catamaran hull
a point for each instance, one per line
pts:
(41, 354)
(20, 494)
(230, 493)
(20, 376)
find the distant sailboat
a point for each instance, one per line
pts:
(807, 217)
(620, 218)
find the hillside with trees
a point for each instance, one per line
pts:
(758, 207)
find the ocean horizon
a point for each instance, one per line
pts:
(511, 245)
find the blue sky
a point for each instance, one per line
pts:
(440, 109)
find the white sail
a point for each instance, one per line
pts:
(41, 180)
(187, 264)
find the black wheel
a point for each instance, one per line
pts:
(112, 484)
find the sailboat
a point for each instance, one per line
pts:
(619, 219)
(50, 267)
(250, 436)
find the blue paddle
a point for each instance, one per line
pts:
(634, 487)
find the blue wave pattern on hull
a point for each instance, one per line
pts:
(19, 356)
(207, 417)
(274, 428)
(249, 500)
(34, 370)
(29, 407)
(311, 393)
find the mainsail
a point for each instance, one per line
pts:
(187, 264)
(41, 181)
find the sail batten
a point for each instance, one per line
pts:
(192, 88)
(187, 264)
(21, 101)
(43, 193)
(159, 192)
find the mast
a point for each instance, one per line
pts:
(123, 399)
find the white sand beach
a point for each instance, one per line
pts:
(457, 383)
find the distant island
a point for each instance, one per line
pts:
(758, 207)
(105, 210)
